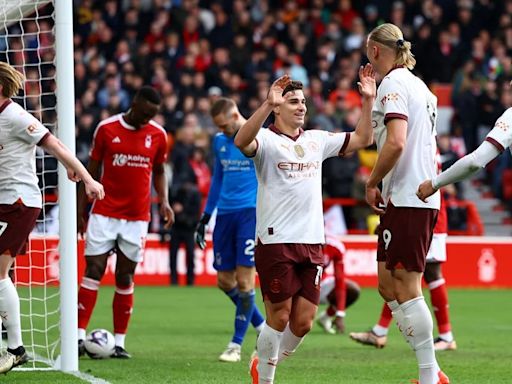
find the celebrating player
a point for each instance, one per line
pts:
(337, 291)
(289, 219)
(436, 283)
(20, 197)
(127, 150)
(404, 117)
(233, 192)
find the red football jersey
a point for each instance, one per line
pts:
(128, 156)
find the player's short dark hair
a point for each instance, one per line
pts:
(294, 85)
(149, 94)
(221, 105)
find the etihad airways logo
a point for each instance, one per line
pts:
(299, 167)
(121, 159)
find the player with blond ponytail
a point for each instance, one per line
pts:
(404, 117)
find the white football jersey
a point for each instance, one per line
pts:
(501, 135)
(403, 95)
(289, 171)
(20, 132)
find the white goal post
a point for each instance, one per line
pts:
(24, 29)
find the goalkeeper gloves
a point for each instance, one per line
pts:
(201, 230)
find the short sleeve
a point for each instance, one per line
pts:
(334, 143)
(98, 144)
(393, 100)
(501, 135)
(261, 142)
(27, 128)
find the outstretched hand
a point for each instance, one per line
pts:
(275, 94)
(366, 84)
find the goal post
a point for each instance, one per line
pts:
(67, 189)
(36, 37)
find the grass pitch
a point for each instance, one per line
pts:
(177, 333)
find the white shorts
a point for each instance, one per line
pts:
(104, 233)
(326, 286)
(437, 250)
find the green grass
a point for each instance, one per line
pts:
(176, 335)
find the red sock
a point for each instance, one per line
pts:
(331, 311)
(385, 316)
(87, 295)
(439, 298)
(122, 308)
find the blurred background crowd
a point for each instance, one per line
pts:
(194, 51)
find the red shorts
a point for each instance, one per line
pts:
(286, 270)
(16, 223)
(405, 234)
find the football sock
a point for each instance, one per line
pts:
(10, 313)
(244, 311)
(87, 295)
(439, 299)
(289, 344)
(119, 338)
(268, 352)
(382, 327)
(122, 306)
(417, 328)
(257, 319)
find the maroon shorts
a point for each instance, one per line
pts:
(16, 223)
(286, 270)
(405, 234)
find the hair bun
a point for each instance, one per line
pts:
(400, 43)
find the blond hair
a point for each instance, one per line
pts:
(11, 80)
(391, 37)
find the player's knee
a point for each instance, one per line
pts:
(386, 292)
(245, 284)
(278, 320)
(124, 279)
(225, 284)
(353, 292)
(95, 271)
(432, 272)
(302, 326)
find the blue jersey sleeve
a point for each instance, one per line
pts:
(216, 185)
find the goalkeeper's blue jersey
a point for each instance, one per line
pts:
(234, 184)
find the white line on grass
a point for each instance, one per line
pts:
(89, 378)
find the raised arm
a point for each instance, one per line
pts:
(363, 135)
(245, 136)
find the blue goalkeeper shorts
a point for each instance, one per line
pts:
(234, 240)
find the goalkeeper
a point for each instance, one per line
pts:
(233, 192)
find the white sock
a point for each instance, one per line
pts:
(268, 352)
(234, 345)
(81, 334)
(289, 344)
(323, 315)
(418, 327)
(10, 312)
(447, 336)
(379, 330)
(119, 338)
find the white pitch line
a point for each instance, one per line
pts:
(89, 378)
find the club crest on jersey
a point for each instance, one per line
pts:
(299, 151)
(147, 142)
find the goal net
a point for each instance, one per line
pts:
(27, 42)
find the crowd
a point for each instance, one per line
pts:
(195, 51)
